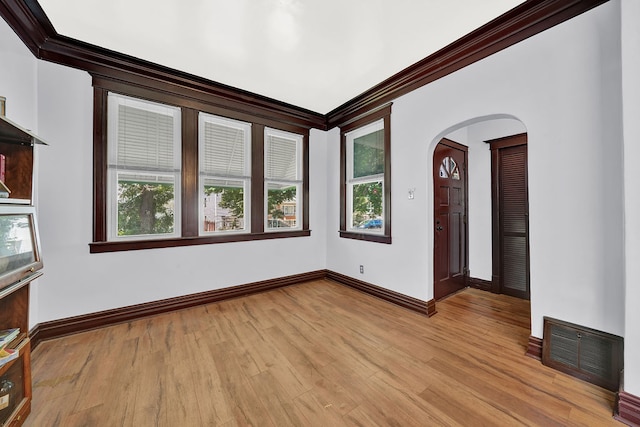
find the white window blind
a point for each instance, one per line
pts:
(282, 157)
(147, 135)
(145, 138)
(224, 149)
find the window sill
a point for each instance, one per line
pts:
(132, 245)
(378, 238)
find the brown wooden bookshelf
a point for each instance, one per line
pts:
(15, 400)
(16, 274)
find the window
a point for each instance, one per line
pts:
(283, 179)
(144, 169)
(172, 169)
(366, 178)
(449, 169)
(225, 174)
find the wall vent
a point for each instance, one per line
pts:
(594, 356)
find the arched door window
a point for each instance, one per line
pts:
(449, 168)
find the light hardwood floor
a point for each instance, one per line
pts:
(314, 354)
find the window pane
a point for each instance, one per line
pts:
(367, 205)
(449, 169)
(281, 206)
(368, 154)
(281, 158)
(223, 205)
(16, 243)
(145, 138)
(146, 204)
(223, 149)
(144, 168)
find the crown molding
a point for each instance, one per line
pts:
(31, 24)
(33, 27)
(514, 26)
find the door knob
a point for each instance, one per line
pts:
(439, 228)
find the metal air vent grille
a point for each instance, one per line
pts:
(585, 353)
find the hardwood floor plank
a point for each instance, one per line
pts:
(314, 354)
(405, 369)
(492, 391)
(298, 349)
(465, 409)
(316, 413)
(206, 385)
(405, 407)
(144, 388)
(245, 405)
(281, 409)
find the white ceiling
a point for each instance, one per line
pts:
(316, 54)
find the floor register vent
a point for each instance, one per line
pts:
(594, 356)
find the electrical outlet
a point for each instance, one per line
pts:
(362, 269)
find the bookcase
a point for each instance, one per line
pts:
(15, 375)
(20, 264)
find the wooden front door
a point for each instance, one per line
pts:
(510, 206)
(450, 218)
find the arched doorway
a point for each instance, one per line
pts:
(476, 225)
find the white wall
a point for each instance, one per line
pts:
(631, 126)
(77, 282)
(17, 75)
(560, 85)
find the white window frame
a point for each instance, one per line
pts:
(351, 181)
(245, 178)
(113, 170)
(298, 182)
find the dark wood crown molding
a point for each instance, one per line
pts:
(33, 27)
(31, 24)
(520, 23)
(29, 21)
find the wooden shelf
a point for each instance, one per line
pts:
(19, 166)
(16, 144)
(14, 313)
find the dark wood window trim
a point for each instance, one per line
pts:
(381, 113)
(189, 184)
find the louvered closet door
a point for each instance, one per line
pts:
(514, 221)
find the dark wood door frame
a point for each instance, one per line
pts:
(496, 209)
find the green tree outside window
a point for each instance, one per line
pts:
(145, 208)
